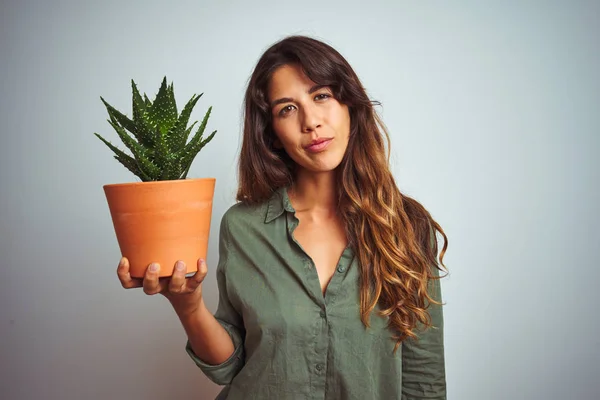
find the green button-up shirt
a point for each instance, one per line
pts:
(291, 341)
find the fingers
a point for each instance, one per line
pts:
(195, 280)
(123, 273)
(177, 281)
(151, 283)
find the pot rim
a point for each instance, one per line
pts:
(158, 183)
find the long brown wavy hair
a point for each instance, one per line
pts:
(392, 234)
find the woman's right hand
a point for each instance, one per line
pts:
(185, 294)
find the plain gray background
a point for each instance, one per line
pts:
(494, 112)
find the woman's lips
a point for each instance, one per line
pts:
(315, 148)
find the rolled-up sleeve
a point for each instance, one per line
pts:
(423, 366)
(228, 317)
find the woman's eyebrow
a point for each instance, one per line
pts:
(289, 99)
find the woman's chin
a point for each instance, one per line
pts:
(321, 167)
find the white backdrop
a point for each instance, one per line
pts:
(494, 113)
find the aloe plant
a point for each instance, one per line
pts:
(157, 135)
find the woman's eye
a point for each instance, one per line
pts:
(289, 108)
(285, 110)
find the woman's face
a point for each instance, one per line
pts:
(310, 124)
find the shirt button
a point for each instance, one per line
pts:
(322, 314)
(319, 367)
(341, 268)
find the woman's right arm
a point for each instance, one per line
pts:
(208, 340)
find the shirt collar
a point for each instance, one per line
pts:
(278, 203)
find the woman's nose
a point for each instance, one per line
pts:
(311, 119)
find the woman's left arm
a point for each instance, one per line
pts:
(423, 366)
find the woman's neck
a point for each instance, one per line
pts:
(314, 195)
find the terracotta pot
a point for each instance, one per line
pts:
(162, 221)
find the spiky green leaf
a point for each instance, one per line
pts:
(131, 165)
(163, 112)
(120, 118)
(172, 100)
(178, 135)
(186, 134)
(162, 154)
(131, 144)
(137, 103)
(139, 152)
(173, 168)
(143, 127)
(125, 159)
(191, 151)
(198, 136)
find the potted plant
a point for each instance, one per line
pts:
(166, 217)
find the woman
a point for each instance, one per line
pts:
(327, 274)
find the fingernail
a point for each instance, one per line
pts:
(202, 261)
(179, 266)
(121, 261)
(153, 267)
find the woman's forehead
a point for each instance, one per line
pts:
(288, 78)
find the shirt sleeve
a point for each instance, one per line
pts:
(228, 317)
(423, 366)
